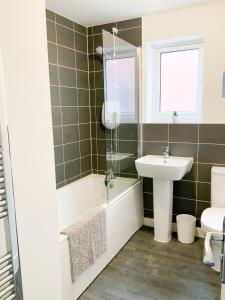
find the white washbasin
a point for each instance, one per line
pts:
(156, 166)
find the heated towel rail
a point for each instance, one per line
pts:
(10, 275)
(222, 272)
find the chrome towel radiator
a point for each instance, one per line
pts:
(10, 275)
(222, 272)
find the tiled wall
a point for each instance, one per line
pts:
(77, 95)
(130, 31)
(204, 142)
(79, 137)
(68, 69)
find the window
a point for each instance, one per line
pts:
(174, 89)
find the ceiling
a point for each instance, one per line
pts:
(95, 12)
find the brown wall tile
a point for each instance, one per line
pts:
(137, 22)
(132, 36)
(86, 164)
(81, 61)
(51, 31)
(83, 97)
(185, 189)
(50, 15)
(148, 201)
(147, 185)
(204, 191)
(82, 79)
(71, 151)
(53, 75)
(212, 133)
(187, 133)
(183, 206)
(80, 28)
(153, 148)
(192, 175)
(52, 53)
(57, 135)
(68, 96)
(204, 172)
(58, 151)
(72, 169)
(184, 149)
(65, 36)
(155, 132)
(128, 132)
(64, 21)
(66, 57)
(70, 134)
(80, 42)
(67, 77)
(211, 153)
(201, 206)
(55, 97)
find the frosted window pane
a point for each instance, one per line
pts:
(120, 84)
(179, 81)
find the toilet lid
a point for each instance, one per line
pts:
(212, 219)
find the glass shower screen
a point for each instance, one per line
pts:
(120, 112)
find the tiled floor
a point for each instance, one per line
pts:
(145, 269)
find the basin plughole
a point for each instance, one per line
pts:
(163, 171)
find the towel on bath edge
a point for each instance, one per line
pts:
(87, 241)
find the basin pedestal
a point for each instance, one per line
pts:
(163, 206)
(164, 172)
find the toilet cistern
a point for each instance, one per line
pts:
(163, 174)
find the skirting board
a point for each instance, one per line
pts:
(150, 223)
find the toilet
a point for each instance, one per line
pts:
(212, 218)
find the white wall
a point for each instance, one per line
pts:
(25, 63)
(207, 20)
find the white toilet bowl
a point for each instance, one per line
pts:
(212, 218)
(212, 221)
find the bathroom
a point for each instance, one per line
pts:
(112, 185)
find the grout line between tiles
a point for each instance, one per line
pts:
(123, 29)
(66, 47)
(89, 95)
(78, 111)
(60, 98)
(66, 67)
(72, 29)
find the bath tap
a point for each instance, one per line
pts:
(107, 180)
(166, 150)
(108, 176)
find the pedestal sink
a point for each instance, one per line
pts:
(163, 171)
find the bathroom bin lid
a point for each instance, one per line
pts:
(212, 219)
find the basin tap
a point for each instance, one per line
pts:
(166, 151)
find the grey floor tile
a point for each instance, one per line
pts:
(147, 270)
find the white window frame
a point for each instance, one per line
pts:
(154, 51)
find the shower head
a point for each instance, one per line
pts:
(99, 50)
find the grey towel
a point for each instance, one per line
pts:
(87, 241)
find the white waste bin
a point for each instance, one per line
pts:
(186, 228)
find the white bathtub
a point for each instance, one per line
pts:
(124, 216)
